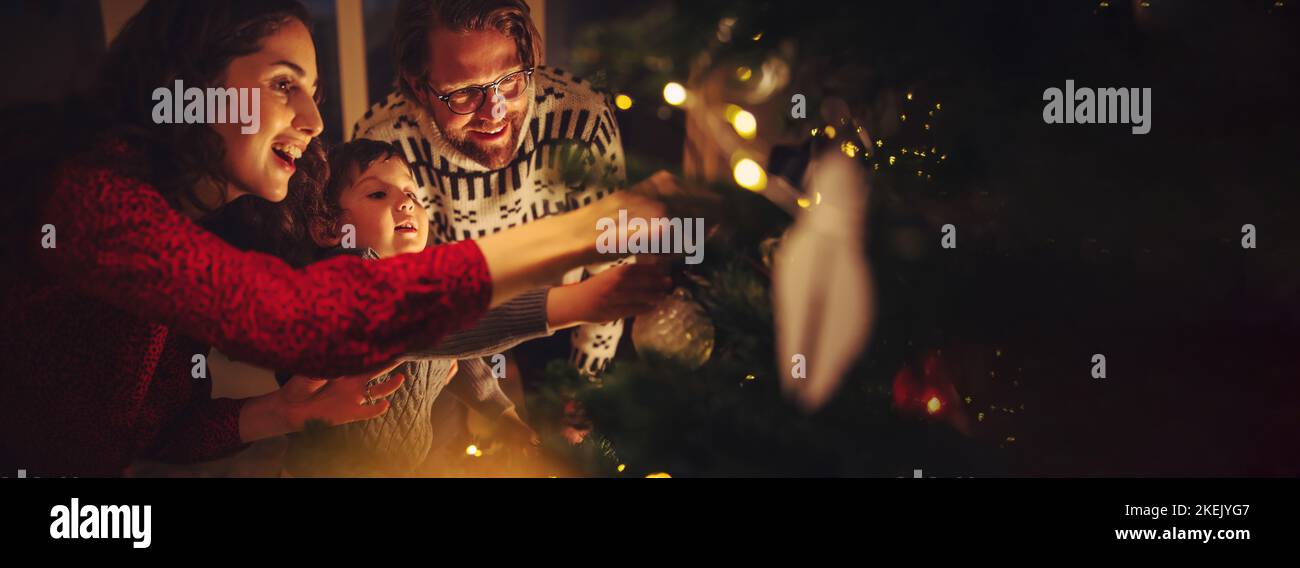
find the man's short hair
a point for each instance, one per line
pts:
(417, 18)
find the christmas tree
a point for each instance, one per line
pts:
(765, 92)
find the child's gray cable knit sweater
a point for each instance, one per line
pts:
(398, 442)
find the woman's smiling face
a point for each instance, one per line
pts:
(284, 72)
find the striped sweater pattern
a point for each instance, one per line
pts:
(569, 127)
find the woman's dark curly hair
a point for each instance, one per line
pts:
(194, 41)
(281, 229)
(168, 40)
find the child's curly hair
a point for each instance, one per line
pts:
(324, 216)
(311, 207)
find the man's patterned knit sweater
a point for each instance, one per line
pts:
(569, 127)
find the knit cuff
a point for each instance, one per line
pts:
(205, 430)
(479, 389)
(502, 328)
(594, 346)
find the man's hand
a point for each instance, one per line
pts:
(614, 294)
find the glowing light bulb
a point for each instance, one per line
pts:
(933, 405)
(830, 131)
(674, 93)
(744, 73)
(659, 475)
(471, 450)
(744, 123)
(750, 175)
(623, 102)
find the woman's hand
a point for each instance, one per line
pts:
(333, 402)
(337, 401)
(614, 294)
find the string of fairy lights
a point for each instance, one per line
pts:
(918, 157)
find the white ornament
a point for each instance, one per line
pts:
(822, 292)
(678, 328)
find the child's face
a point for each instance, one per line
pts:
(381, 205)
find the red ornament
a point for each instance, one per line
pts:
(933, 394)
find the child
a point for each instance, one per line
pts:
(371, 198)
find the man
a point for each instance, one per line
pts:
(494, 140)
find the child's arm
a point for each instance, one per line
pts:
(606, 297)
(502, 328)
(475, 385)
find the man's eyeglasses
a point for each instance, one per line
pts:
(469, 99)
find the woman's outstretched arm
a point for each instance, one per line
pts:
(118, 240)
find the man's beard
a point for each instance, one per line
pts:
(494, 157)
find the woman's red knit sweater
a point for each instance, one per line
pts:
(98, 334)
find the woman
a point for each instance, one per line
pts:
(120, 289)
